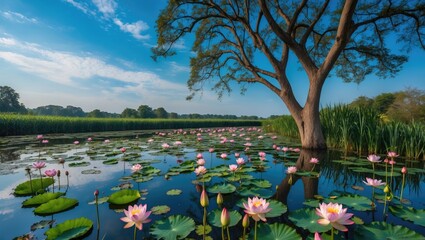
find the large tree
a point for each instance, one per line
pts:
(233, 37)
(9, 100)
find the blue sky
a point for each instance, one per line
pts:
(95, 54)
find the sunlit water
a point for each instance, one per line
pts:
(16, 221)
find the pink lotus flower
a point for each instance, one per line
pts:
(39, 137)
(317, 236)
(392, 162)
(248, 144)
(404, 170)
(200, 170)
(199, 155)
(240, 161)
(50, 172)
(39, 164)
(165, 145)
(262, 154)
(136, 167)
(285, 149)
(211, 150)
(177, 143)
(392, 154)
(257, 208)
(76, 142)
(334, 214)
(201, 162)
(374, 182)
(107, 141)
(374, 158)
(223, 155)
(314, 160)
(233, 167)
(136, 215)
(237, 155)
(291, 170)
(150, 140)
(89, 139)
(123, 149)
(45, 141)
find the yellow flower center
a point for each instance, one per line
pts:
(135, 212)
(257, 203)
(332, 210)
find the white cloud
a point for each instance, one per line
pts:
(107, 7)
(18, 17)
(133, 28)
(179, 68)
(69, 69)
(81, 6)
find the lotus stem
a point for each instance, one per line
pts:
(41, 178)
(222, 233)
(373, 168)
(244, 233)
(255, 230)
(29, 174)
(386, 172)
(53, 186)
(402, 187)
(332, 233)
(228, 233)
(135, 232)
(204, 221)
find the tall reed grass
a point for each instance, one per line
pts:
(361, 130)
(14, 124)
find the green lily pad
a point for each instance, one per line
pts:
(99, 200)
(278, 208)
(162, 209)
(55, 206)
(124, 196)
(307, 218)
(200, 229)
(79, 164)
(24, 188)
(91, 171)
(409, 214)
(246, 191)
(70, 229)
(223, 188)
(382, 230)
(110, 162)
(42, 198)
(214, 218)
(275, 231)
(173, 227)
(174, 192)
(258, 183)
(354, 201)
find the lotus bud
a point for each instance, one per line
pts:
(245, 221)
(225, 218)
(96, 193)
(317, 236)
(66, 173)
(404, 170)
(123, 149)
(58, 173)
(219, 199)
(28, 169)
(387, 189)
(204, 199)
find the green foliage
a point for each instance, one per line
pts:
(11, 124)
(9, 101)
(55, 206)
(42, 198)
(173, 227)
(70, 229)
(33, 186)
(124, 196)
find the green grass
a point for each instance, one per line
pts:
(14, 124)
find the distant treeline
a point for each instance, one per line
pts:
(18, 124)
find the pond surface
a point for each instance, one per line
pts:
(100, 164)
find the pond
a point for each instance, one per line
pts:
(168, 185)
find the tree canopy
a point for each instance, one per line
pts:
(253, 42)
(9, 100)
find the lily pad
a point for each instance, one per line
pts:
(99, 201)
(354, 201)
(409, 214)
(223, 188)
(158, 210)
(382, 230)
(276, 231)
(174, 192)
(173, 227)
(278, 208)
(70, 229)
(124, 196)
(42, 198)
(200, 229)
(110, 162)
(55, 206)
(79, 164)
(215, 216)
(258, 183)
(24, 188)
(254, 191)
(91, 171)
(307, 218)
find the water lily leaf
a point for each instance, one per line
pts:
(409, 214)
(70, 229)
(110, 161)
(24, 188)
(99, 201)
(383, 230)
(307, 218)
(56, 206)
(173, 227)
(258, 183)
(200, 229)
(124, 196)
(278, 208)
(79, 164)
(214, 218)
(246, 191)
(354, 201)
(162, 209)
(174, 192)
(312, 202)
(41, 224)
(42, 198)
(91, 171)
(276, 231)
(143, 179)
(223, 188)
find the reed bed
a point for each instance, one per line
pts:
(14, 124)
(362, 131)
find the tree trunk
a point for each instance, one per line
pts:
(310, 129)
